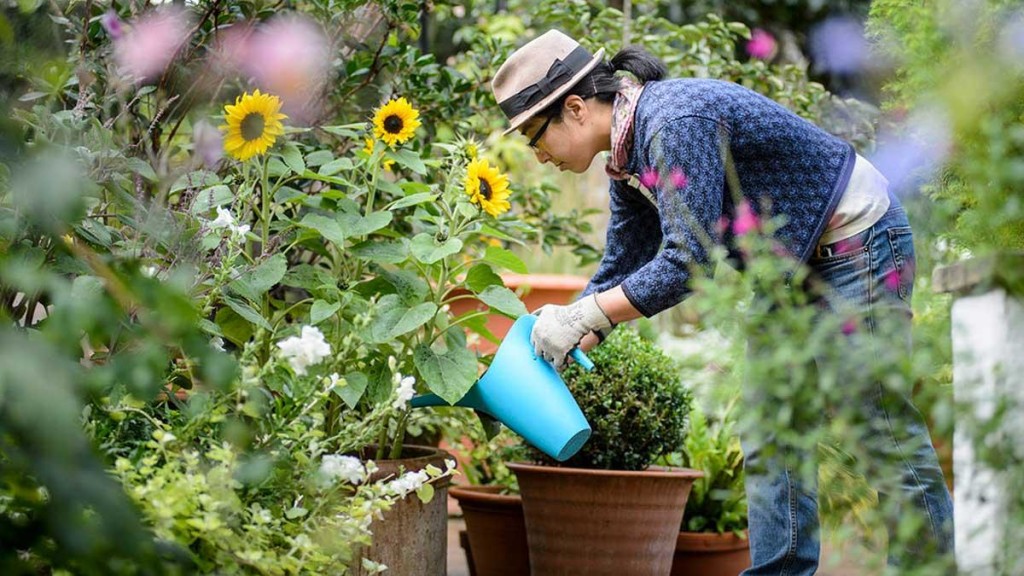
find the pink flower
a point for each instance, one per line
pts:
(849, 326)
(848, 245)
(151, 43)
(745, 221)
(761, 45)
(290, 57)
(649, 178)
(112, 24)
(892, 280)
(678, 178)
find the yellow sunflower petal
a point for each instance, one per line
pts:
(252, 125)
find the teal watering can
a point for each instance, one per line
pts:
(526, 394)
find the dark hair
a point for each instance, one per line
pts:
(602, 83)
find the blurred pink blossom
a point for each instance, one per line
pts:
(208, 143)
(848, 245)
(838, 45)
(290, 57)
(892, 280)
(762, 44)
(150, 44)
(849, 326)
(112, 24)
(678, 178)
(649, 178)
(746, 219)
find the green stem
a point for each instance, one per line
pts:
(396, 444)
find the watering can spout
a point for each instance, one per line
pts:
(526, 394)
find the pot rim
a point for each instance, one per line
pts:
(659, 472)
(711, 541)
(477, 493)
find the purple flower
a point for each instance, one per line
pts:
(762, 45)
(650, 178)
(208, 143)
(746, 219)
(913, 151)
(678, 178)
(838, 45)
(112, 24)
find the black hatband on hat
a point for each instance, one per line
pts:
(560, 72)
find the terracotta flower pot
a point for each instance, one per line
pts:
(412, 537)
(536, 291)
(710, 554)
(497, 531)
(598, 522)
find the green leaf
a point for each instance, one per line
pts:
(486, 230)
(322, 310)
(327, 227)
(380, 251)
(356, 383)
(212, 197)
(268, 274)
(413, 200)
(410, 287)
(293, 158)
(408, 159)
(365, 225)
(425, 493)
(504, 259)
(354, 130)
(482, 276)
(334, 166)
(396, 320)
(428, 250)
(414, 318)
(143, 169)
(450, 374)
(197, 179)
(319, 158)
(248, 312)
(296, 512)
(503, 300)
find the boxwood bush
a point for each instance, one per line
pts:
(634, 400)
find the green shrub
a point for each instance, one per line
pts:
(634, 401)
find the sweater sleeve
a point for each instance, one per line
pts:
(687, 155)
(633, 238)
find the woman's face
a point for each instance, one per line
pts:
(566, 142)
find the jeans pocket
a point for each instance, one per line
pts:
(900, 278)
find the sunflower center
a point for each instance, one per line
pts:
(252, 126)
(485, 189)
(393, 124)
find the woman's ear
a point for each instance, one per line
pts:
(575, 108)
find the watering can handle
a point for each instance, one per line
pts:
(581, 359)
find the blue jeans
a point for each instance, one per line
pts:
(871, 278)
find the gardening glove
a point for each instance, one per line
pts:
(559, 329)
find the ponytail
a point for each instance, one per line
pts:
(639, 63)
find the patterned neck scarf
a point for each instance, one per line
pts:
(622, 128)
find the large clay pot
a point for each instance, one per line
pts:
(710, 554)
(412, 537)
(497, 531)
(602, 522)
(535, 291)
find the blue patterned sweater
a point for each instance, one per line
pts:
(786, 166)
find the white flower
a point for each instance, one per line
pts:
(406, 390)
(345, 468)
(217, 343)
(149, 271)
(224, 219)
(306, 350)
(334, 381)
(240, 231)
(408, 482)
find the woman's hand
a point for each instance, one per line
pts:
(559, 329)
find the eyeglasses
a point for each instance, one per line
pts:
(537, 135)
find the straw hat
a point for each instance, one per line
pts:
(535, 75)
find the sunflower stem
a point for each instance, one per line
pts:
(265, 198)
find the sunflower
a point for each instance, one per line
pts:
(487, 188)
(253, 125)
(385, 163)
(395, 122)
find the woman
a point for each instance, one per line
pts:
(683, 155)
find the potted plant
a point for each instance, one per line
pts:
(606, 510)
(713, 539)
